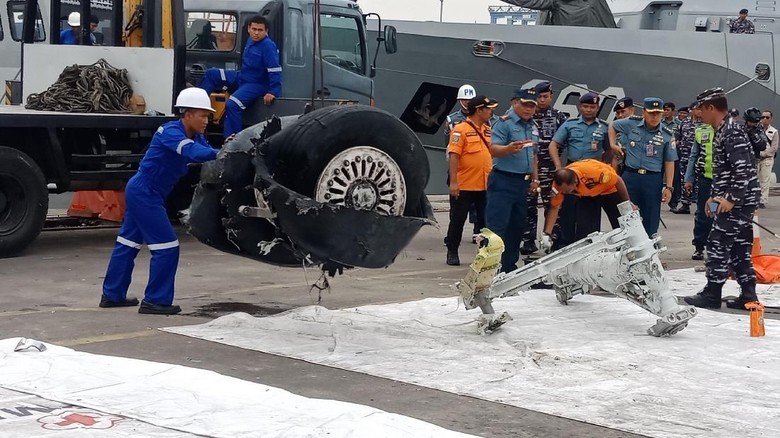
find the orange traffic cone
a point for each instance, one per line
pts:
(103, 204)
(756, 236)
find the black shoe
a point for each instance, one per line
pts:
(762, 205)
(708, 298)
(529, 247)
(698, 254)
(682, 209)
(158, 309)
(452, 258)
(127, 302)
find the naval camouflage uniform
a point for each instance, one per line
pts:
(730, 242)
(547, 123)
(741, 26)
(684, 136)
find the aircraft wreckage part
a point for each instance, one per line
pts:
(300, 154)
(623, 261)
(363, 178)
(241, 206)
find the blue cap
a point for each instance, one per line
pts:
(543, 87)
(525, 95)
(654, 104)
(624, 103)
(589, 98)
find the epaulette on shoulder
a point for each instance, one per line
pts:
(667, 130)
(635, 117)
(504, 117)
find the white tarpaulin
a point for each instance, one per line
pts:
(176, 398)
(590, 360)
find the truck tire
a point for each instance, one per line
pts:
(24, 201)
(353, 155)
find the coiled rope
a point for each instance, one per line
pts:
(96, 88)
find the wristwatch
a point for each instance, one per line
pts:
(671, 189)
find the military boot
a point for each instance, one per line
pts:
(452, 257)
(747, 295)
(708, 298)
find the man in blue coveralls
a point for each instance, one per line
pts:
(260, 75)
(71, 35)
(515, 173)
(649, 161)
(175, 145)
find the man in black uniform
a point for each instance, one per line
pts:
(734, 198)
(547, 120)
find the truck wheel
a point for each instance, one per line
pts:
(24, 201)
(353, 155)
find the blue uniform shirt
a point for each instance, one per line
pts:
(645, 148)
(582, 140)
(511, 128)
(170, 150)
(68, 37)
(260, 65)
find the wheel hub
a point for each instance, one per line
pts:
(363, 178)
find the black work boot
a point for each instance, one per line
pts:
(681, 209)
(708, 298)
(698, 254)
(127, 302)
(158, 309)
(747, 295)
(452, 257)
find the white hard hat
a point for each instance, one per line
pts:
(74, 19)
(194, 98)
(467, 92)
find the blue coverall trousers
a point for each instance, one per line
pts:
(242, 95)
(145, 221)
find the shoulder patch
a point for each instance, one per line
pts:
(504, 117)
(160, 130)
(604, 178)
(455, 137)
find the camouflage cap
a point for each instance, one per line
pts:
(709, 94)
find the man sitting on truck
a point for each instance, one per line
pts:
(260, 75)
(173, 147)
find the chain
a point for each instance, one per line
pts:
(96, 88)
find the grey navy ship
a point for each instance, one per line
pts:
(669, 49)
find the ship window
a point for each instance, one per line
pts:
(342, 42)
(16, 21)
(211, 31)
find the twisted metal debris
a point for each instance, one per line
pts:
(96, 88)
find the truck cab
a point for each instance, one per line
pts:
(216, 36)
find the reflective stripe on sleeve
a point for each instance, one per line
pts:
(183, 143)
(274, 69)
(222, 74)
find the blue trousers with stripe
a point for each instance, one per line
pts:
(145, 221)
(242, 95)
